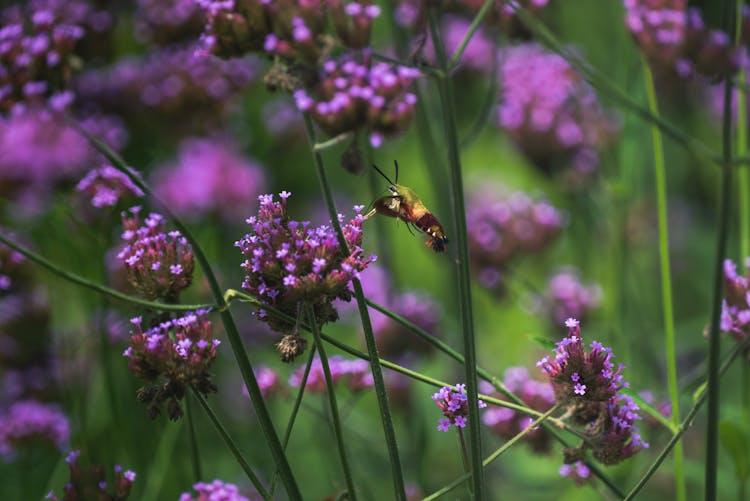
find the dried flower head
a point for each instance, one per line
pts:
(353, 373)
(89, 482)
(455, 406)
(106, 186)
(290, 263)
(32, 421)
(217, 490)
(181, 351)
(159, 264)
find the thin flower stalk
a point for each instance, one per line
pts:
(445, 89)
(195, 457)
(666, 277)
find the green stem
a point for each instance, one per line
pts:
(445, 89)
(341, 138)
(232, 446)
(496, 454)
(335, 418)
(465, 461)
(487, 107)
(666, 277)
(377, 372)
(194, 453)
(246, 369)
(456, 58)
(77, 279)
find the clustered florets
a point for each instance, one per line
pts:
(214, 491)
(537, 395)
(290, 264)
(590, 386)
(455, 406)
(29, 420)
(566, 296)
(180, 350)
(106, 186)
(354, 374)
(353, 94)
(89, 482)
(158, 264)
(735, 310)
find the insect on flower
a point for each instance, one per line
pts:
(404, 204)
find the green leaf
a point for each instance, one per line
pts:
(735, 441)
(698, 393)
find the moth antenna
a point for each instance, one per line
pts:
(395, 162)
(384, 176)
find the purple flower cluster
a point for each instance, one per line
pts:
(30, 420)
(589, 385)
(268, 380)
(209, 176)
(455, 406)
(578, 471)
(566, 297)
(293, 29)
(214, 491)
(735, 309)
(106, 186)
(89, 482)
(353, 95)
(290, 263)
(355, 374)
(537, 395)
(675, 38)
(479, 53)
(159, 264)
(181, 350)
(502, 227)
(186, 88)
(164, 22)
(9, 261)
(551, 113)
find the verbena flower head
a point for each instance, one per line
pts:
(455, 406)
(735, 309)
(580, 376)
(551, 113)
(537, 395)
(567, 297)
(676, 39)
(615, 436)
(268, 380)
(577, 471)
(355, 94)
(29, 421)
(217, 490)
(107, 186)
(352, 373)
(503, 227)
(168, 21)
(9, 262)
(290, 263)
(89, 482)
(181, 351)
(210, 176)
(159, 264)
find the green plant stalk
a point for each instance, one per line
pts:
(685, 425)
(666, 277)
(161, 459)
(335, 417)
(232, 446)
(456, 58)
(77, 279)
(488, 104)
(243, 362)
(194, 453)
(377, 372)
(445, 89)
(496, 454)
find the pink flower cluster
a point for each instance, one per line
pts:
(89, 482)
(455, 406)
(30, 420)
(106, 186)
(217, 490)
(355, 374)
(567, 297)
(735, 309)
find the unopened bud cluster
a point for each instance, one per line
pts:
(159, 264)
(589, 385)
(89, 482)
(355, 93)
(181, 351)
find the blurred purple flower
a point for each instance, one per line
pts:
(29, 420)
(353, 373)
(168, 21)
(209, 176)
(735, 309)
(479, 53)
(106, 186)
(214, 491)
(567, 297)
(89, 482)
(268, 380)
(455, 406)
(578, 471)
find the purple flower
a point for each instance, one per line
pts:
(353, 373)
(578, 471)
(168, 21)
(158, 264)
(214, 491)
(268, 380)
(90, 479)
(566, 297)
(29, 420)
(618, 437)
(106, 186)
(210, 176)
(282, 256)
(455, 406)
(735, 309)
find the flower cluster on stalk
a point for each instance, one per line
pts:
(159, 264)
(589, 385)
(357, 93)
(675, 39)
(355, 374)
(507, 423)
(551, 113)
(290, 264)
(567, 297)
(735, 308)
(32, 421)
(503, 227)
(180, 350)
(106, 186)
(455, 406)
(89, 482)
(217, 490)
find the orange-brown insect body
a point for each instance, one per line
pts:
(404, 204)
